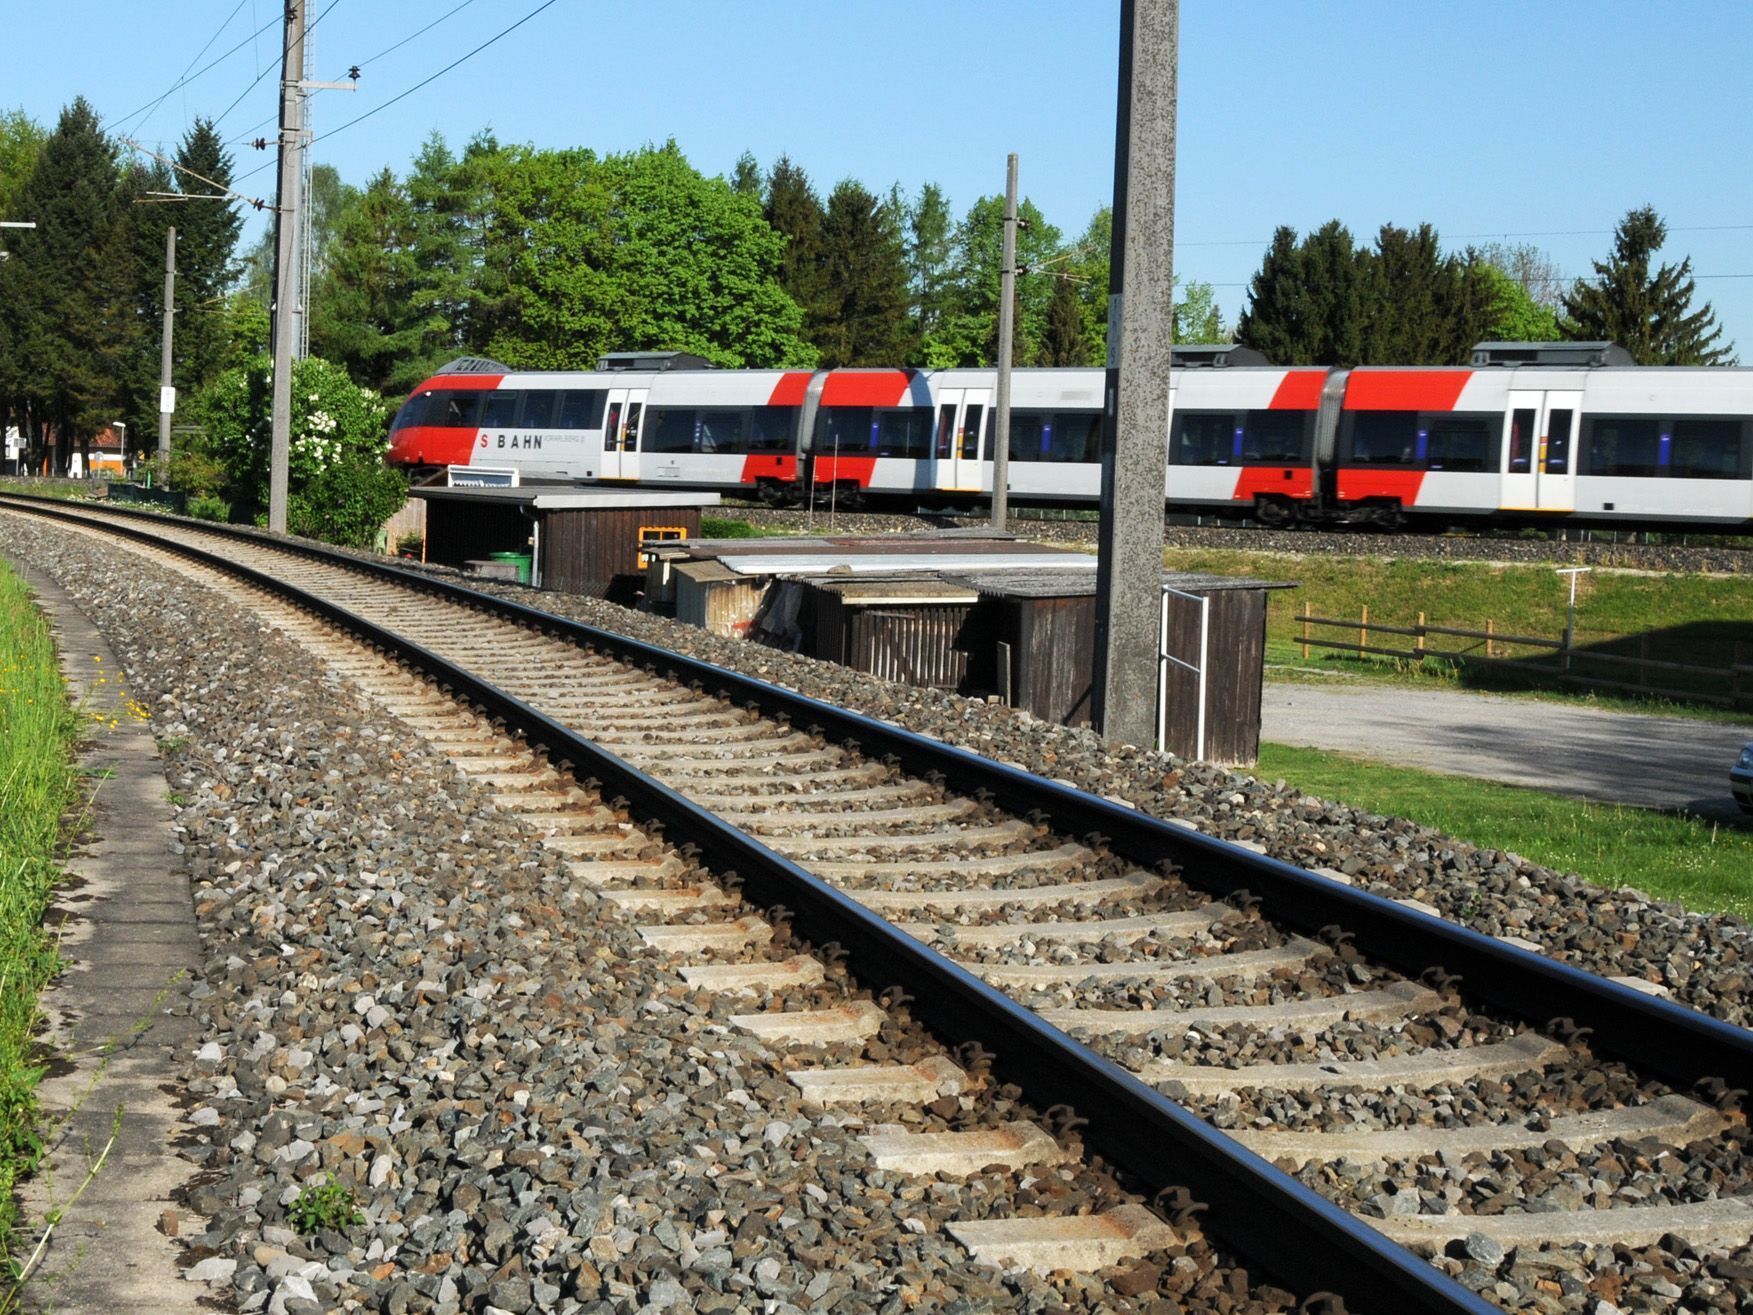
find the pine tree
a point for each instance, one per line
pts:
(1063, 342)
(207, 232)
(863, 314)
(60, 290)
(929, 226)
(1650, 315)
(1277, 322)
(795, 213)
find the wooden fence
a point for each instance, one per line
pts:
(1639, 674)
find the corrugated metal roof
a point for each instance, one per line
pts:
(1065, 584)
(824, 563)
(548, 499)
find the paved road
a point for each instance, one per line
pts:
(1658, 762)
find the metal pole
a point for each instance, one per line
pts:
(286, 262)
(1135, 416)
(1006, 338)
(167, 395)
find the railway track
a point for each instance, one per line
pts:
(1322, 1028)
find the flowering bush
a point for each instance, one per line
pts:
(338, 486)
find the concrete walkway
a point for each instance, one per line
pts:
(127, 925)
(1650, 762)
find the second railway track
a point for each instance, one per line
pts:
(1319, 1026)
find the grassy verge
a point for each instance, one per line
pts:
(37, 786)
(1706, 868)
(1683, 618)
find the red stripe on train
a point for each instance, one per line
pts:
(432, 445)
(790, 390)
(846, 469)
(1400, 485)
(1405, 390)
(1285, 481)
(866, 387)
(1300, 390)
(766, 465)
(458, 383)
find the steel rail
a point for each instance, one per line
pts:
(1266, 1215)
(1683, 1045)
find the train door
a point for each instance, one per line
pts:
(1540, 435)
(621, 424)
(961, 428)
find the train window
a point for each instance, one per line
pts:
(904, 433)
(972, 417)
(1617, 445)
(1461, 442)
(1202, 438)
(1708, 449)
(581, 408)
(1522, 422)
(1077, 436)
(1277, 436)
(499, 411)
(946, 430)
(670, 430)
(843, 429)
(1031, 435)
(770, 428)
(722, 431)
(538, 408)
(1382, 438)
(1559, 426)
(454, 410)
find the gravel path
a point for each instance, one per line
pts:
(1626, 758)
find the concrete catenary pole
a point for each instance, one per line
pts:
(1006, 342)
(1135, 417)
(286, 215)
(167, 398)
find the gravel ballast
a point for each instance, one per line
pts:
(402, 990)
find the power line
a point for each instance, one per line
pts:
(264, 73)
(184, 81)
(422, 32)
(191, 64)
(547, 4)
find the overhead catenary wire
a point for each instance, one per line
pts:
(378, 109)
(188, 78)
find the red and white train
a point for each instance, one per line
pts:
(1532, 433)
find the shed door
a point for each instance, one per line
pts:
(960, 439)
(621, 421)
(1540, 436)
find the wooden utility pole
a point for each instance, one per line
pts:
(287, 210)
(1135, 412)
(1006, 341)
(167, 394)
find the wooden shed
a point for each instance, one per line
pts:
(580, 541)
(1214, 643)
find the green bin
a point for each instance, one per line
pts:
(521, 560)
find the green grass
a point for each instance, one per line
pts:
(724, 527)
(1705, 867)
(1685, 618)
(37, 787)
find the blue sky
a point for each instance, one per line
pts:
(1540, 121)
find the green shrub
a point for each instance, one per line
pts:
(722, 527)
(204, 508)
(338, 487)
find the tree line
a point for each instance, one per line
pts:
(546, 258)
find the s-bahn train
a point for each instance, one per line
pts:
(1531, 433)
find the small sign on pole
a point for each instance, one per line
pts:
(167, 400)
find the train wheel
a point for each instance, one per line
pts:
(1272, 512)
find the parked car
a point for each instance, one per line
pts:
(1741, 779)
